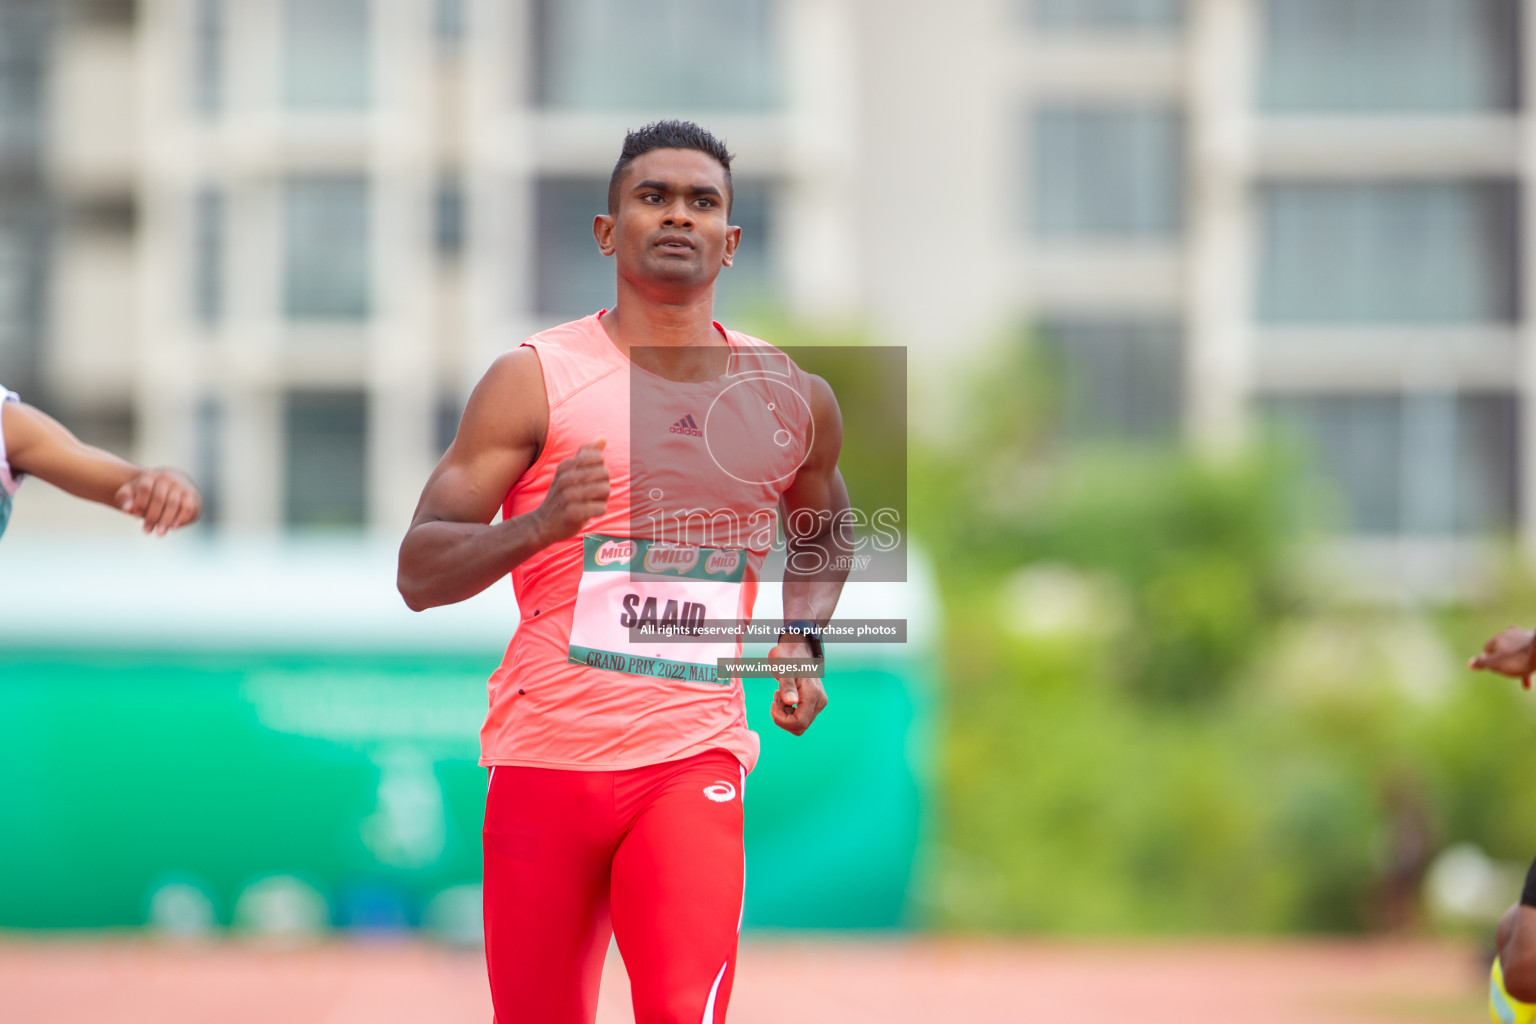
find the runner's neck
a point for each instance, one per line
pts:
(682, 344)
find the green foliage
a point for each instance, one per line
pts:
(1199, 549)
(1155, 724)
(1073, 805)
(870, 383)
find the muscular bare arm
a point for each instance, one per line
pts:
(815, 570)
(38, 445)
(451, 551)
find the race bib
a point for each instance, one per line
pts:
(655, 590)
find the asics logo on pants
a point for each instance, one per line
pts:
(720, 792)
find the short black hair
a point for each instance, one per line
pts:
(669, 135)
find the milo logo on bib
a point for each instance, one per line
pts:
(725, 562)
(671, 558)
(638, 557)
(634, 594)
(614, 552)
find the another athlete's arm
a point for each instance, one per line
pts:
(1516, 942)
(38, 445)
(814, 509)
(1509, 653)
(451, 551)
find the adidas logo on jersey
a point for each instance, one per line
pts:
(687, 426)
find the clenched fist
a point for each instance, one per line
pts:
(578, 494)
(797, 701)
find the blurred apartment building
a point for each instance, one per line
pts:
(277, 240)
(1304, 215)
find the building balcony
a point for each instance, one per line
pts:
(1314, 359)
(1386, 147)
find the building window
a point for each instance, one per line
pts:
(327, 46)
(326, 248)
(23, 274)
(446, 419)
(24, 35)
(327, 454)
(1110, 15)
(1106, 173)
(1389, 55)
(1120, 380)
(572, 279)
(448, 217)
(449, 21)
(209, 454)
(1409, 464)
(208, 48)
(208, 256)
(624, 54)
(1388, 252)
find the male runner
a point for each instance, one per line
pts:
(34, 444)
(616, 778)
(1512, 987)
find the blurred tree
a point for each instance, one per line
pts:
(1153, 720)
(870, 382)
(1201, 548)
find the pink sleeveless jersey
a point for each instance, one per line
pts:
(696, 469)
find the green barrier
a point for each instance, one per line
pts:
(123, 771)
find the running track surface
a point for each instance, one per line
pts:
(54, 980)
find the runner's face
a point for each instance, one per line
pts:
(670, 226)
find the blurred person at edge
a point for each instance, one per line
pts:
(617, 768)
(33, 443)
(1512, 984)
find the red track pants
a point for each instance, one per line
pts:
(652, 855)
